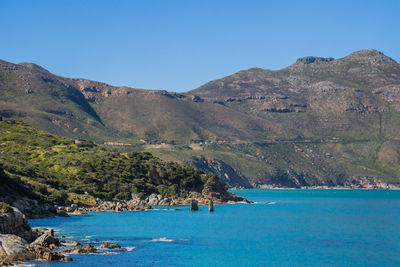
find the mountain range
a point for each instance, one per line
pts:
(318, 122)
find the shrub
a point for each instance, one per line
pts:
(5, 208)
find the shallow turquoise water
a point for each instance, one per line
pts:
(296, 228)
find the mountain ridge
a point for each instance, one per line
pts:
(342, 106)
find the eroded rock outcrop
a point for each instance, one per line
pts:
(14, 222)
(46, 240)
(34, 209)
(12, 245)
(16, 234)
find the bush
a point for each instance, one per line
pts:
(5, 208)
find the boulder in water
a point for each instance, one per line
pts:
(46, 240)
(194, 205)
(211, 206)
(110, 245)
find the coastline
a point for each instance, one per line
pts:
(20, 243)
(316, 187)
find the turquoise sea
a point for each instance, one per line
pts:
(294, 228)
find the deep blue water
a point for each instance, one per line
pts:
(297, 228)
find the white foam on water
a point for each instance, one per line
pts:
(237, 202)
(162, 239)
(130, 248)
(107, 253)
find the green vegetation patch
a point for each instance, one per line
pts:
(57, 169)
(5, 208)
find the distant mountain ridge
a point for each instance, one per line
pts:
(318, 122)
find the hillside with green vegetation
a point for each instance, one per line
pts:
(54, 169)
(318, 122)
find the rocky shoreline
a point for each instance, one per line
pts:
(389, 187)
(356, 182)
(20, 243)
(141, 204)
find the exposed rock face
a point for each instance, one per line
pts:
(154, 199)
(14, 249)
(367, 182)
(12, 245)
(33, 209)
(15, 223)
(46, 240)
(309, 60)
(15, 232)
(225, 172)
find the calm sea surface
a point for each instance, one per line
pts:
(295, 228)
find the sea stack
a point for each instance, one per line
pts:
(193, 205)
(211, 206)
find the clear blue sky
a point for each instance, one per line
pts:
(179, 45)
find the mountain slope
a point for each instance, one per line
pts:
(82, 108)
(356, 97)
(320, 121)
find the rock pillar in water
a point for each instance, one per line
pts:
(211, 206)
(193, 205)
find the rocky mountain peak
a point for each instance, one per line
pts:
(371, 56)
(33, 66)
